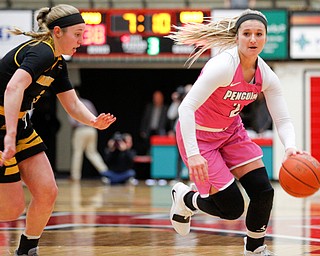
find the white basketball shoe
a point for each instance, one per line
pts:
(180, 214)
(32, 252)
(260, 251)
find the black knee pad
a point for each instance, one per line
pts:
(255, 182)
(226, 204)
(258, 187)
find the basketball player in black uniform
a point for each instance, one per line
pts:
(26, 72)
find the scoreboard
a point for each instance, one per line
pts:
(135, 32)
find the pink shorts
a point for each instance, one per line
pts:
(224, 151)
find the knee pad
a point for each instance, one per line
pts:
(258, 187)
(226, 204)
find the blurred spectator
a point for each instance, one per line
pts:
(85, 141)
(172, 114)
(119, 156)
(177, 98)
(154, 121)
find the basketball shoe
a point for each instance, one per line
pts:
(260, 251)
(180, 214)
(32, 252)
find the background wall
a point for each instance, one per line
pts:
(293, 77)
(124, 92)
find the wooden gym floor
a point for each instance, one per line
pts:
(93, 219)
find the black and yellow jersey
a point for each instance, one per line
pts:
(46, 70)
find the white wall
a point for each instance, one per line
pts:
(292, 76)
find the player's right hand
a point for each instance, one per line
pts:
(9, 149)
(198, 168)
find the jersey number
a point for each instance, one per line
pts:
(236, 110)
(38, 97)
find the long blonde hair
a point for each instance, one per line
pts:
(45, 16)
(211, 33)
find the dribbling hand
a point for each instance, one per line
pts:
(292, 152)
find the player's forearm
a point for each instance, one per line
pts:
(12, 105)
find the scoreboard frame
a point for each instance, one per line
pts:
(116, 33)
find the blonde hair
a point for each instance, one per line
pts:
(211, 33)
(45, 16)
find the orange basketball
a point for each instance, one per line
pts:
(300, 175)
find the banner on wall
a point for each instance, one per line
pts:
(305, 42)
(305, 35)
(276, 47)
(311, 116)
(9, 19)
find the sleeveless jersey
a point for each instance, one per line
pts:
(220, 93)
(225, 103)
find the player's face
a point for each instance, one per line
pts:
(69, 39)
(251, 37)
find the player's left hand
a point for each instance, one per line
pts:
(103, 121)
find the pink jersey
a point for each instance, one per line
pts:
(225, 103)
(220, 93)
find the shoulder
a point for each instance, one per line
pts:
(42, 49)
(41, 53)
(226, 61)
(227, 58)
(34, 57)
(222, 67)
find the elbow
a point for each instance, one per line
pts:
(181, 109)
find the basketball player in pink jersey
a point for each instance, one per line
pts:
(211, 138)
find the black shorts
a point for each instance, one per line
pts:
(28, 143)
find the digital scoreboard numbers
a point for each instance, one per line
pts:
(135, 32)
(141, 23)
(95, 34)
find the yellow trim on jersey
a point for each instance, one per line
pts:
(45, 80)
(11, 166)
(59, 58)
(50, 44)
(32, 140)
(21, 114)
(30, 42)
(12, 169)
(17, 52)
